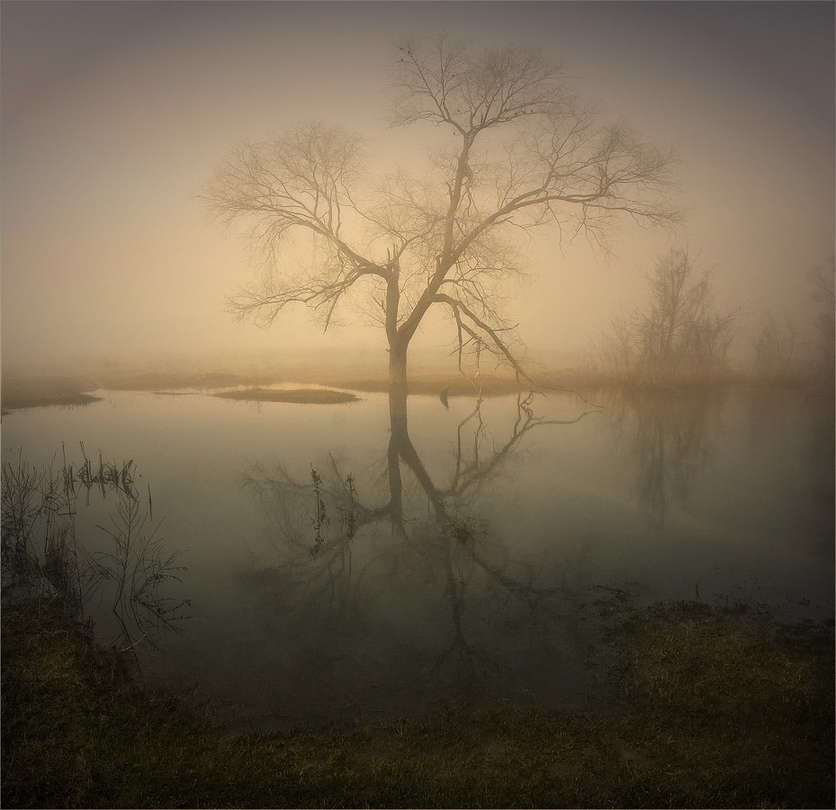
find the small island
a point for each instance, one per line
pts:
(303, 396)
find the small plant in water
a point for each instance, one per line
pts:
(464, 528)
(321, 519)
(349, 513)
(349, 510)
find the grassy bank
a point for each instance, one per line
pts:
(703, 708)
(19, 392)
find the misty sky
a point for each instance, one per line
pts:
(114, 116)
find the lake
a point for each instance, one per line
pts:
(457, 560)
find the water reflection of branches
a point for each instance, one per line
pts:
(323, 565)
(463, 654)
(470, 471)
(670, 435)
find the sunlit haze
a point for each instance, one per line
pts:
(115, 116)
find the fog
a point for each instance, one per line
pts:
(115, 116)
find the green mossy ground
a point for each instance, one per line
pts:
(703, 707)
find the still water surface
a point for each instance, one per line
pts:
(462, 563)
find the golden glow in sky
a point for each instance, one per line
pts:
(114, 116)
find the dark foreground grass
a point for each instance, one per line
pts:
(704, 708)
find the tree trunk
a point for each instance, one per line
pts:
(398, 388)
(397, 365)
(400, 445)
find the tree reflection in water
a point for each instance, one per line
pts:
(360, 570)
(670, 434)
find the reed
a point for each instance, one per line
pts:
(347, 507)
(40, 550)
(45, 557)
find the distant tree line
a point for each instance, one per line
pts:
(781, 351)
(823, 281)
(678, 336)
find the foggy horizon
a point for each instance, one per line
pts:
(115, 116)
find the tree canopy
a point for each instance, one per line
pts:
(511, 148)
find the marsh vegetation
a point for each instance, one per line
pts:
(47, 556)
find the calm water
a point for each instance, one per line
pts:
(374, 608)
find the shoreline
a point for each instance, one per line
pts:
(25, 391)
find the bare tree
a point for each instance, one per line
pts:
(513, 149)
(669, 435)
(823, 293)
(677, 334)
(775, 345)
